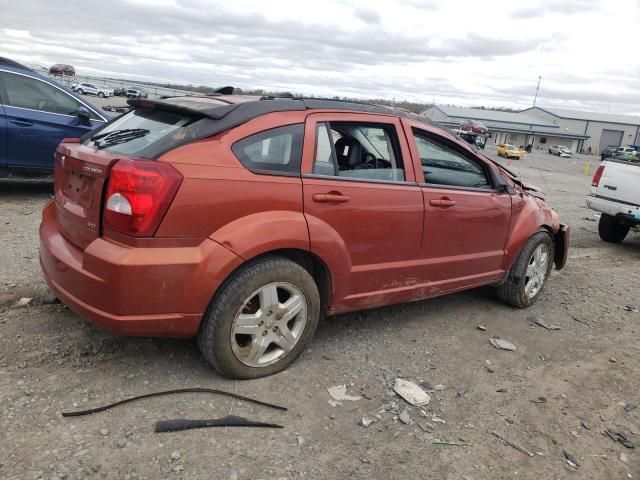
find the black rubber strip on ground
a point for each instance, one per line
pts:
(181, 424)
(171, 392)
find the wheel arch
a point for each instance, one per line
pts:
(313, 264)
(517, 242)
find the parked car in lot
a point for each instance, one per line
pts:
(243, 222)
(615, 191)
(92, 89)
(560, 150)
(629, 154)
(61, 69)
(608, 152)
(474, 126)
(120, 92)
(137, 93)
(35, 115)
(509, 151)
(626, 150)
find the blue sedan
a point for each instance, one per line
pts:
(35, 115)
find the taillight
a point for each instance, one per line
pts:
(597, 176)
(138, 195)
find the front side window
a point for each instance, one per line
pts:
(358, 151)
(278, 150)
(25, 92)
(444, 166)
(324, 163)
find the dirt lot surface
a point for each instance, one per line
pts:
(558, 391)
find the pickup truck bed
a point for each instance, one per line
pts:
(615, 192)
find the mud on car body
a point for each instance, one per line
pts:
(244, 221)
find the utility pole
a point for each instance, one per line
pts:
(537, 89)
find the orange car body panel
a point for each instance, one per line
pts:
(388, 243)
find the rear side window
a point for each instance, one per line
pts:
(277, 151)
(147, 132)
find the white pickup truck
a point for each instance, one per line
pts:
(615, 191)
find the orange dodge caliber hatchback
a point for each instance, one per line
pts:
(243, 221)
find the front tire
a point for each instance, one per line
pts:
(611, 230)
(261, 319)
(529, 272)
(100, 95)
(80, 91)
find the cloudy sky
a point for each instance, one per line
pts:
(463, 52)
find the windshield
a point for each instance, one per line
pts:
(144, 132)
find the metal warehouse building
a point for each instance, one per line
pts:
(541, 127)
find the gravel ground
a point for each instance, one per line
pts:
(557, 392)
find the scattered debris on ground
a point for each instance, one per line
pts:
(631, 307)
(501, 344)
(405, 418)
(518, 447)
(570, 459)
(617, 435)
(24, 301)
(339, 394)
(411, 392)
(541, 323)
(540, 399)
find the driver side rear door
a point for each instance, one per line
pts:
(38, 115)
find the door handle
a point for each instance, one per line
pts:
(442, 202)
(22, 123)
(331, 197)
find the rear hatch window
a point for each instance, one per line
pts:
(147, 132)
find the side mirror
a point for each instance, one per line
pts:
(506, 188)
(84, 116)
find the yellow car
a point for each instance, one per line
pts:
(509, 151)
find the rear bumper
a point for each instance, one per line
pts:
(561, 240)
(614, 208)
(147, 291)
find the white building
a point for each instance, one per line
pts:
(542, 126)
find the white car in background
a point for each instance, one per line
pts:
(615, 192)
(560, 150)
(106, 88)
(91, 89)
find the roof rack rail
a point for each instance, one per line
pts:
(7, 62)
(280, 96)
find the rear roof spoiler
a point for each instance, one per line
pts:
(237, 113)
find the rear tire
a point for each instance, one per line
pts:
(528, 276)
(611, 230)
(244, 303)
(100, 95)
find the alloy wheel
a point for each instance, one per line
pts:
(269, 324)
(536, 271)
